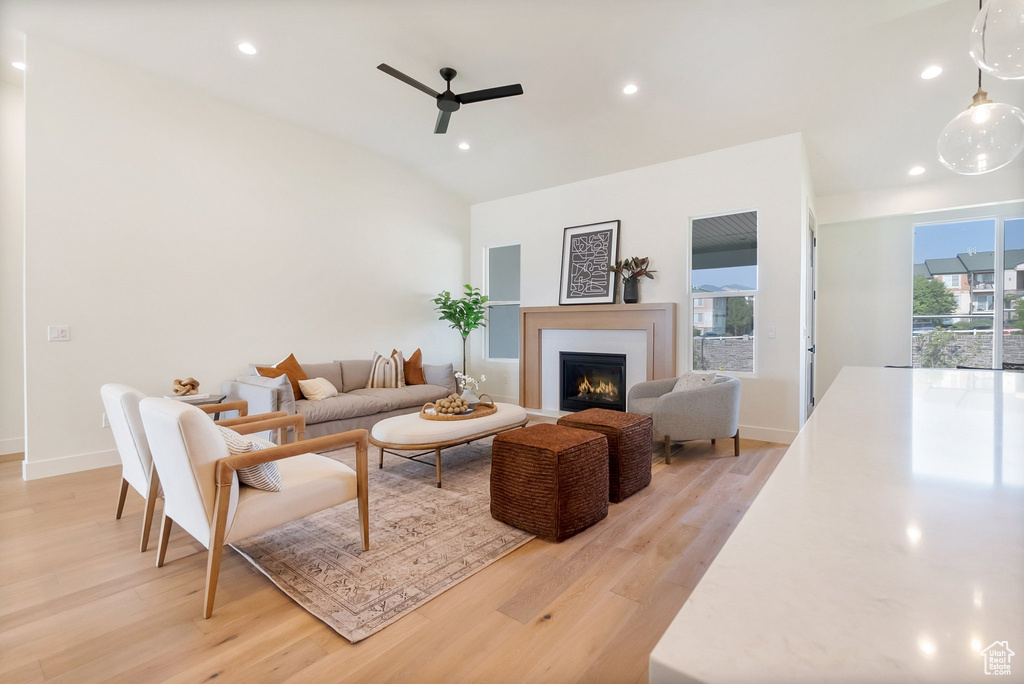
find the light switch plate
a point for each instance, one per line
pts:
(771, 332)
(58, 333)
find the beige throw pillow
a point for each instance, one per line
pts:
(387, 372)
(318, 389)
(692, 381)
(263, 476)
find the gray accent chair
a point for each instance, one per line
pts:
(706, 413)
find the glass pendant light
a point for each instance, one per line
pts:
(997, 38)
(986, 136)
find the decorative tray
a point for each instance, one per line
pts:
(484, 408)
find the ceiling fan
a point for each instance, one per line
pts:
(448, 102)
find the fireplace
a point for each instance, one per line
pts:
(592, 381)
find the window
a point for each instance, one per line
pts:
(968, 329)
(503, 302)
(723, 279)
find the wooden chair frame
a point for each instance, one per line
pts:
(225, 471)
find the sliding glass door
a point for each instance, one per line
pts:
(968, 294)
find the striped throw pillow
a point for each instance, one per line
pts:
(265, 476)
(387, 371)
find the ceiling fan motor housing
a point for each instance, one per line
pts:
(448, 101)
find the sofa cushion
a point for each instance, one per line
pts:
(443, 375)
(329, 371)
(340, 407)
(413, 368)
(355, 374)
(403, 397)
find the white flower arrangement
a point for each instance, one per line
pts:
(467, 382)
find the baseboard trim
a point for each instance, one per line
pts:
(35, 470)
(767, 434)
(12, 445)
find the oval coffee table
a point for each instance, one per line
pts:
(412, 433)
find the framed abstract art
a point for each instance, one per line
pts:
(587, 252)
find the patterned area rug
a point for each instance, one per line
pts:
(423, 541)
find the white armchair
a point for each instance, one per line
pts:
(201, 489)
(706, 413)
(121, 404)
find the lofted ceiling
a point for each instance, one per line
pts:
(711, 74)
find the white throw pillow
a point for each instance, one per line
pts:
(317, 389)
(263, 476)
(692, 381)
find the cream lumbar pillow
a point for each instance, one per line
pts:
(692, 381)
(317, 389)
(263, 476)
(387, 371)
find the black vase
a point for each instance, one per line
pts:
(631, 290)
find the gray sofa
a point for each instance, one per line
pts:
(354, 407)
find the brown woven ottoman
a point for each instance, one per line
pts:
(630, 443)
(550, 480)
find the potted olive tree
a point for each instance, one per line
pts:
(632, 270)
(464, 315)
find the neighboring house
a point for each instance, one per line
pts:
(709, 313)
(971, 277)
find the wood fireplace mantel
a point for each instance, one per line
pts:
(657, 320)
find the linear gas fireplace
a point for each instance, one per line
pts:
(593, 381)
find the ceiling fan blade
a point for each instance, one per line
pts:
(490, 93)
(442, 122)
(407, 79)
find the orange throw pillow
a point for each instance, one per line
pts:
(289, 367)
(413, 368)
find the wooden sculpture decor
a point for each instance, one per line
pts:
(186, 387)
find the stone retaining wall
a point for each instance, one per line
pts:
(724, 354)
(947, 349)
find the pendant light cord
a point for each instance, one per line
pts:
(980, 2)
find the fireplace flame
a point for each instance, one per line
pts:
(602, 388)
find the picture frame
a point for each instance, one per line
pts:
(587, 253)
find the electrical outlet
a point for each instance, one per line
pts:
(104, 422)
(58, 333)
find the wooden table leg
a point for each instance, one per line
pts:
(381, 459)
(437, 463)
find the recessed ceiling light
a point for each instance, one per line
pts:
(20, 66)
(247, 48)
(630, 89)
(931, 72)
(916, 171)
(463, 145)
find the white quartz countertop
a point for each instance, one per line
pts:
(888, 545)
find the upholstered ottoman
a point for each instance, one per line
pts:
(550, 480)
(630, 443)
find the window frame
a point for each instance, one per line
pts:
(753, 294)
(490, 303)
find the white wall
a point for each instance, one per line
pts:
(12, 193)
(179, 235)
(865, 288)
(655, 205)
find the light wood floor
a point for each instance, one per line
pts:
(79, 603)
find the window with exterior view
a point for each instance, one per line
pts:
(723, 277)
(503, 305)
(959, 277)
